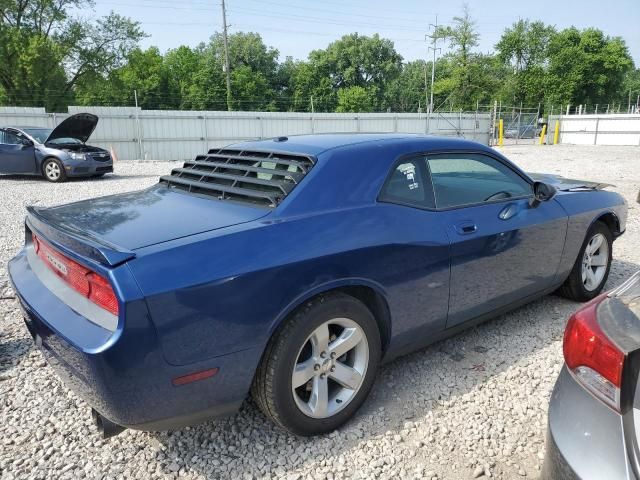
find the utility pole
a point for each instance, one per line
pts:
(227, 68)
(433, 65)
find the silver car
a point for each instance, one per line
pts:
(594, 413)
(56, 154)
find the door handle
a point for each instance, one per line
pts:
(466, 228)
(508, 212)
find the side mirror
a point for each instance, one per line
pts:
(25, 143)
(542, 192)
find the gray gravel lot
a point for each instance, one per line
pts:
(466, 407)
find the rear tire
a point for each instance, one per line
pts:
(53, 170)
(330, 348)
(591, 270)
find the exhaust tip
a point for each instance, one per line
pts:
(105, 426)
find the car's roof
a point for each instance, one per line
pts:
(318, 143)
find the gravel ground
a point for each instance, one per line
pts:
(471, 406)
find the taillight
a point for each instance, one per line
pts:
(84, 281)
(591, 356)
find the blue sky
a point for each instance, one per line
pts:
(297, 27)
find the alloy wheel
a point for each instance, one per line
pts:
(595, 262)
(330, 368)
(52, 171)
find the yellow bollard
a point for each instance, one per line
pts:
(543, 133)
(501, 133)
(556, 134)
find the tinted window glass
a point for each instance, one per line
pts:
(471, 179)
(9, 138)
(408, 185)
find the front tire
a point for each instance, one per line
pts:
(320, 366)
(591, 270)
(53, 170)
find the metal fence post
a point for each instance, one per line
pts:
(519, 121)
(357, 123)
(595, 137)
(205, 132)
(475, 123)
(261, 127)
(395, 123)
(493, 122)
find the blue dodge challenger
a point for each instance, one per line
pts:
(290, 268)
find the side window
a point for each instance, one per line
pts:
(9, 138)
(408, 184)
(466, 179)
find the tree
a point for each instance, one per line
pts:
(356, 99)
(409, 90)
(45, 51)
(310, 82)
(462, 37)
(586, 67)
(630, 87)
(524, 48)
(181, 65)
(357, 61)
(144, 72)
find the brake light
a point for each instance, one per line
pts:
(591, 356)
(84, 281)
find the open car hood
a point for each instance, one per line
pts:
(80, 126)
(567, 184)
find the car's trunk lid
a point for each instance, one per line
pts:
(79, 126)
(130, 221)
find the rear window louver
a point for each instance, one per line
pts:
(261, 178)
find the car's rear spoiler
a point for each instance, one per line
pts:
(79, 242)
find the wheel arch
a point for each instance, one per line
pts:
(45, 159)
(611, 220)
(371, 294)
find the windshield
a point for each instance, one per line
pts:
(65, 141)
(38, 134)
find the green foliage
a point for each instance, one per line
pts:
(356, 99)
(45, 51)
(630, 87)
(355, 61)
(410, 90)
(586, 67)
(524, 48)
(463, 84)
(53, 58)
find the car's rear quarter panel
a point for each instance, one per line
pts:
(205, 301)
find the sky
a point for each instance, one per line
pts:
(297, 27)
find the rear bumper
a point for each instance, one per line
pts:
(584, 438)
(124, 375)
